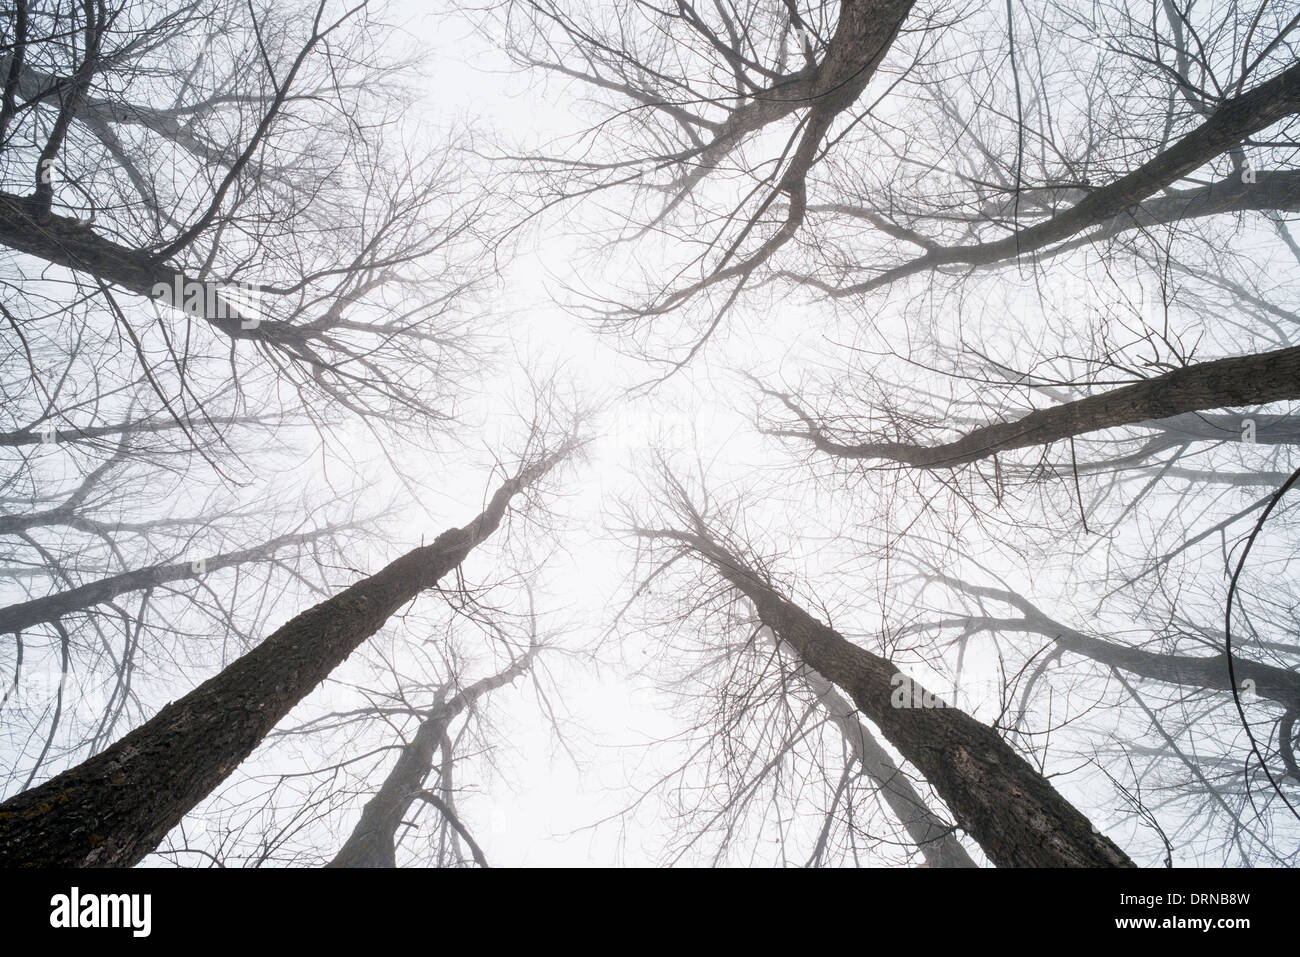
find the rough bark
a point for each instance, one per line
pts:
(114, 808)
(938, 845)
(1220, 383)
(994, 794)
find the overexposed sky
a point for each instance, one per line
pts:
(536, 798)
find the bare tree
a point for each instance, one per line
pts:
(218, 252)
(216, 152)
(373, 841)
(1016, 815)
(115, 808)
(681, 119)
(1220, 383)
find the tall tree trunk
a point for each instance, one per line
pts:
(1219, 383)
(938, 845)
(373, 842)
(935, 840)
(114, 808)
(994, 794)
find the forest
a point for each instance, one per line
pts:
(649, 433)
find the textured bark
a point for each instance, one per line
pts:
(114, 808)
(1220, 383)
(994, 794)
(1225, 128)
(373, 842)
(938, 845)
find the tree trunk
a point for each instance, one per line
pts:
(1014, 813)
(938, 845)
(1220, 383)
(114, 808)
(50, 608)
(373, 842)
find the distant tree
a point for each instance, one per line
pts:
(373, 841)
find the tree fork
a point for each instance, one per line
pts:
(373, 841)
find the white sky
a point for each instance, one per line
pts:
(539, 808)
